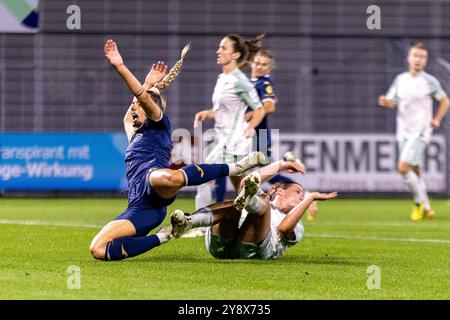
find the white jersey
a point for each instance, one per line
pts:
(278, 244)
(232, 94)
(414, 97)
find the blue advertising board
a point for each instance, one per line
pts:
(33, 161)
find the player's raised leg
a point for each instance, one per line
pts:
(168, 182)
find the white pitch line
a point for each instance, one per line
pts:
(338, 236)
(420, 224)
(49, 224)
(327, 236)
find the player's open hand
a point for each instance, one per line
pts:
(112, 53)
(382, 101)
(293, 166)
(324, 196)
(202, 115)
(156, 73)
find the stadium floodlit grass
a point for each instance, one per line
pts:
(41, 238)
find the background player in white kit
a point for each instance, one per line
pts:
(232, 95)
(413, 92)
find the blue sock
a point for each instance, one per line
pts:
(220, 189)
(197, 174)
(128, 247)
(278, 178)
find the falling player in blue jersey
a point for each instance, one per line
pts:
(151, 185)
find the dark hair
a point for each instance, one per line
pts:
(247, 48)
(283, 185)
(419, 45)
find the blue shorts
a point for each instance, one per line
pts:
(146, 209)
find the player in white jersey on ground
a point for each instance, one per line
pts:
(413, 92)
(254, 226)
(232, 95)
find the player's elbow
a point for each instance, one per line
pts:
(270, 110)
(269, 107)
(286, 233)
(284, 229)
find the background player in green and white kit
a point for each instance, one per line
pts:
(232, 95)
(413, 92)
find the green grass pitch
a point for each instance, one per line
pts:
(41, 238)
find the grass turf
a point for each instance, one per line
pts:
(41, 238)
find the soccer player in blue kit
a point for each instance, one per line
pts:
(151, 185)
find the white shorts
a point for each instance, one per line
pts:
(219, 154)
(411, 150)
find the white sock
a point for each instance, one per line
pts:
(163, 238)
(412, 182)
(423, 191)
(245, 164)
(204, 196)
(202, 218)
(232, 167)
(255, 205)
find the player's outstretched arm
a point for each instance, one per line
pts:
(440, 114)
(138, 90)
(383, 101)
(287, 225)
(272, 169)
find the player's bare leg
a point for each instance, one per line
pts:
(113, 230)
(256, 226)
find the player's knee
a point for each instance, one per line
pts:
(98, 250)
(403, 168)
(166, 178)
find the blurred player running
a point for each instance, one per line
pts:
(413, 92)
(233, 93)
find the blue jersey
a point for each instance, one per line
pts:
(264, 88)
(149, 147)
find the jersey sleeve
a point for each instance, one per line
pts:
(246, 91)
(437, 92)
(266, 91)
(299, 230)
(392, 93)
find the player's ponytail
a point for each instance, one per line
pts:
(176, 69)
(247, 48)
